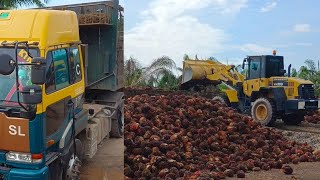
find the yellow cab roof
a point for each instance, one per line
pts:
(48, 27)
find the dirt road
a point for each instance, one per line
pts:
(107, 164)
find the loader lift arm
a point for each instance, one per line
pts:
(209, 72)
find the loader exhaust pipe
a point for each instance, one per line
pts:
(289, 70)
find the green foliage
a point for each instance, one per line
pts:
(11, 4)
(132, 72)
(294, 72)
(312, 73)
(160, 73)
(168, 81)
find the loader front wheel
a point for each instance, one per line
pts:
(222, 98)
(262, 111)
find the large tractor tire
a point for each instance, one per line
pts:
(293, 119)
(263, 111)
(117, 126)
(222, 98)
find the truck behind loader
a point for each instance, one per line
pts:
(265, 92)
(61, 79)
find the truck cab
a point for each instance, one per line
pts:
(56, 90)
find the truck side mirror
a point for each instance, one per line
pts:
(38, 71)
(32, 94)
(7, 65)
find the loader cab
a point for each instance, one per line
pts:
(264, 66)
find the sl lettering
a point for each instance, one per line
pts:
(14, 130)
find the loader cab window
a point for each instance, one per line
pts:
(57, 71)
(254, 67)
(274, 66)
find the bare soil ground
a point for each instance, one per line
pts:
(301, 171)
(304, 133)
(108, 162)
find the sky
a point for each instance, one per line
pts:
(228, 30)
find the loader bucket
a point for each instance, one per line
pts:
(187, 75)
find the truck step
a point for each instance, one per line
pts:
(50, 157)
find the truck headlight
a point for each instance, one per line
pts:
(301, 104)
(24, 157)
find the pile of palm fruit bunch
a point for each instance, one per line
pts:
(313, 117)
(190, 137)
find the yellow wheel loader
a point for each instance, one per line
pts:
(265, 92)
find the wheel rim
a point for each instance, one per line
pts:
(261, 112)
(74, 166)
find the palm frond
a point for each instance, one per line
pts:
(9, 4)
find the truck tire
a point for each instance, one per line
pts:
(222, 98)
(263, 111)
(71, 169)
(293, 119)
(117, 126)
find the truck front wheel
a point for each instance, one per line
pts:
(262, 111)
(71, 169)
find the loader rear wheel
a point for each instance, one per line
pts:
(293, 119)
(262, 111)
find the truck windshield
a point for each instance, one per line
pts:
(8, 87)
(274, 66)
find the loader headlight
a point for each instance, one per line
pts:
(24, 157)
(301, 104)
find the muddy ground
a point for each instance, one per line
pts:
(107, 164)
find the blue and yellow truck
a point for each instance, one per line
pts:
(61, 77)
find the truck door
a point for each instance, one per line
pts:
(64, 82)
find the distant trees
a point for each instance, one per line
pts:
(309, 71)
(161, 73)
(10, 4)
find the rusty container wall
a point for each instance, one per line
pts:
(101, 29)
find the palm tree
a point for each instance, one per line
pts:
(157, 69)
(160, 70)
(11, 4)
(132, 72)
